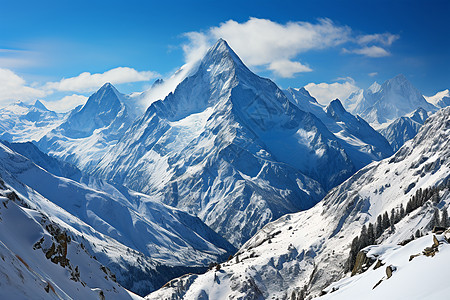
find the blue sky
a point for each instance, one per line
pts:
(348, 43)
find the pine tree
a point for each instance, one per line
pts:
(402, 211)
(409, 206)
(385, 221)
(418, 234)
(371, 234)
(379, 226)
(392, 220)
(363, 237)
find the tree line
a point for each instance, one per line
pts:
(369, 234)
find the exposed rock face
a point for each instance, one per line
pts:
(362, 263)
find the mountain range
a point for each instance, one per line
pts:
(229, 146)
(301, 254)
(109, 200)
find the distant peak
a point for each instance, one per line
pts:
(399, 79)
(19, 103)
(38, 104)
(303, 93)
(157, 82)
(375, 87)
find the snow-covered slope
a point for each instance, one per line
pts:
(441, 99)
(53, 165)
(362, 143)
(146, 238)
(42, 260)
(230, 147)
(90, 130)
(380, 105)
(21, 122)
(423, 277)
(404, 128)
(308, 250)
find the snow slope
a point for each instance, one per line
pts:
(90, 130)
(20, 122)
(230, 147)
(160, 241)
(441, 99)
(381, 105)
(308, 250)
(30, 269)
(407, 281)
(52, 165)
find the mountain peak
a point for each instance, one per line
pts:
(107, 86)
(375, 87)
(38, 104)
(399, 80)
(336, 107)
(221, 52)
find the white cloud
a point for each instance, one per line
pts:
(262, 42)
(372, 51)
(287, 68)
(385, 39)
(326, 92)
(66, 103)
(276, 47)
(86, 81)
(13, 88)
(373, 74)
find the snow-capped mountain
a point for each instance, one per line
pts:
(404, 128)
(144, 242)
(362, 143)
(441, 99)
(90, 130)
(21, 122)
(229, 146)
(361, 100)
(380, 105)
(301, 254)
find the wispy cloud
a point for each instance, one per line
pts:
(373, 45)
(372, 51)
(385, 39)
(86, 81)
(373, 74)
(18, 58)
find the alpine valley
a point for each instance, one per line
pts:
(227, 188)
